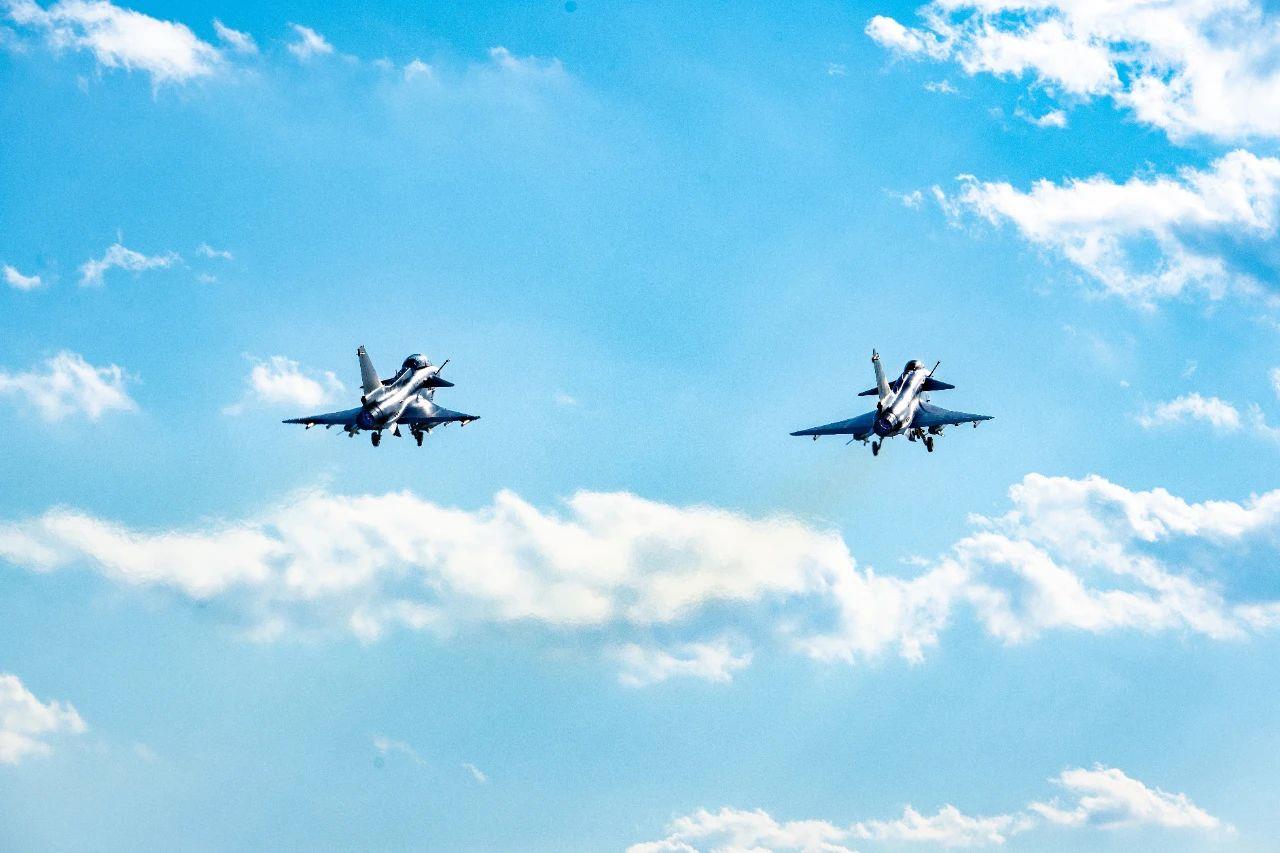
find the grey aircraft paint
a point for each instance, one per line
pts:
(902, 408)
(406, 399)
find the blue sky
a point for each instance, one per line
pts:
(625, 608)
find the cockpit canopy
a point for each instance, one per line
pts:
(417, 361)
(913, 364)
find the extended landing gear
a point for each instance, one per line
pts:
(375, 437)
(928, 443)
(875, 448)
(417, 436)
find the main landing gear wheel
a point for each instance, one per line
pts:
(376, 438)
(418, 437)
(875, 448)
(928, 443)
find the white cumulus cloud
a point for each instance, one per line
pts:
(121, 38)
(1108, 798)
(950, 827)
(1219, 414)
(1187, 67)
(281, 381)
(1070, 555)
(732, 829)
(1147, 238)
(1101, 798)
(67, 386)
(1222, 416)
(1081, 555)
(26, 723)
(617, 561)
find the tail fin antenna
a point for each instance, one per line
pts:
(882, 384)
(369, 380)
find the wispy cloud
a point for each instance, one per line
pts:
(119, 257)
(386, 746)
(67, 386)
(236, 40)
(26, 723)
(1053, 118)
(532, 66)
(18, 281)
(712, 661)
(913, 199)
(204, 250)
(308, 43)
(171, 53)
(417, 69)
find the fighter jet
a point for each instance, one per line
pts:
(406, 399)
(902, 408)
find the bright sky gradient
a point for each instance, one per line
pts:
(625, 610)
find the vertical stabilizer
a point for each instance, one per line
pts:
(368, 376)
(882, 385)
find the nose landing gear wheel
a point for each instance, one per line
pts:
(928, 443)
(376, 438)
(875, 448)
